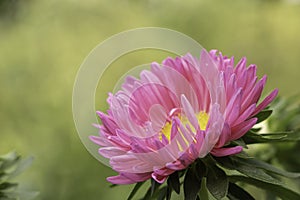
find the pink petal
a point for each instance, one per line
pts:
(101, 141)
(241, 129)
(109, 152)
(189, 112)
(226, 151)
(128, 178)
(108, 122)
(245, 115)
(158, 178)
(266, 102)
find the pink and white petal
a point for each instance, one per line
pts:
(266, 102)
(240, 67)
(130, 84)
(101, 141)
(233, 107)
(231, 87)
(108, 122)
(245, 115)
(158, 117)
(189, 112)
(176, 165)
(212, 77)
(128, 178)
(224, 137)
(158, 178)
(220, 152)
(177, 84)
(130, 163)
(156, 94)
(213, 131)
(241, 129)
(109, 152)
(254, 95)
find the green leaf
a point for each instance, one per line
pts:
(169, 193)
(147, 196)
(7, 186)
(200, 169)
(235, 192)
(265, 166)
(153, 190)
(191, 184)
(251, 171)
(9, 162)
(11, 156)
(253, 138)
(173, 182)
(203, 193)
(263, 115)
(113, 185)
(255, 130)
(135, 189)
(3, 177)
(278, 190)
(240, 142)
(162, 193)
(22, 166)
(154, 186)
(243, 154)
(217, 182)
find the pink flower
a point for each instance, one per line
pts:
(177, 112)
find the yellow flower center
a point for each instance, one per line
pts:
(202, 121)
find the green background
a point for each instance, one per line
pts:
(43, 43)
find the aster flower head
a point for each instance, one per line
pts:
(180, 110)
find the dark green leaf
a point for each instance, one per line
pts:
(208, 160)
(270, 195)
(255, 130)
(169, 193)
(153, 191)
(147, 196)
(135, 189)
(263, 115)
(243, 155)
(6, 186)
(257, 173)
(113, 185)
(154, 186)
(3, 177)
(162, 193)
(226, 162)
(263, 165)
(200, 169)
(191, 184)
(240, 142)
(252, 138)
(217, 183)
(278, 190)
(173, 182)
(236, 192)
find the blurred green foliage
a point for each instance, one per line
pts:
(11, 165)
(43, 43)
(286, 117)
